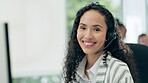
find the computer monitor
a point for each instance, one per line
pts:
(5, 68)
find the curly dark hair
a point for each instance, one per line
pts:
(117, 48)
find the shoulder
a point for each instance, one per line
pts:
(118, 70)
(114, 62)
(118, 66)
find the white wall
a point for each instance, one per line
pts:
(134, 16)
(3, 56)
(37, 35)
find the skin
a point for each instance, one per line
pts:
(91, 35)
(143, 40)
(123, 32)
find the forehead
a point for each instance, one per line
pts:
(92, 17)
(93, 13)
(143, 37)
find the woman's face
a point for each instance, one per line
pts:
(91, 32)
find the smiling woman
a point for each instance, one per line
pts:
(96, 53)
(91, 37)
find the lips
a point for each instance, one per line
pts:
(89, 43)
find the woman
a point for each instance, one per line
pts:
(96, 53)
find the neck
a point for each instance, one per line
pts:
(91, 59)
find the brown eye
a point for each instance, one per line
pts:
(97, 29)
(83, 28)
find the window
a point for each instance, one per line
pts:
(73, 6)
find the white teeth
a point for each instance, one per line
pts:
(88, 43)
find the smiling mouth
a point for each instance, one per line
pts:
(89, 43)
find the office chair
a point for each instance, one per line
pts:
(141, 58)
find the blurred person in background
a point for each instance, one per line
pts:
(122, 29)
(143, 39)
(95, 53)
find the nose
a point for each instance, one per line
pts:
(88, 35)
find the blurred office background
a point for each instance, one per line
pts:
(39, 30)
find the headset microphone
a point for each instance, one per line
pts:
(106, 45)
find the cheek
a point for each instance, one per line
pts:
(101, 38)
(79, 35)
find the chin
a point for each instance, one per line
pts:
(89, 53)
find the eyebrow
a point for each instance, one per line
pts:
(82, 24)
(92, 25)
(97, 26)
